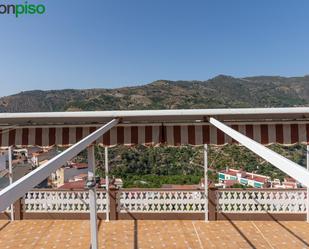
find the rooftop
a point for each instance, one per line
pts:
(80, 165)
(73, 185)
(155, 234)
(247, 175)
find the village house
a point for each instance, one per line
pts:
(229, 177)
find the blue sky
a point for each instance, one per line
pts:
(114, 43)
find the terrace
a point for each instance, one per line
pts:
(181, 234)
(155, 218)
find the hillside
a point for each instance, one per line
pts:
(184, 165)
(219, 92)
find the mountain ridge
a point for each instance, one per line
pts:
(222, 91)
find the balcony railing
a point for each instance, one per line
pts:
(162, 203)
(261, 201)
(62, 201)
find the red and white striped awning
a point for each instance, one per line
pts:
(154, 134)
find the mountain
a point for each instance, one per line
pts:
(219, 92)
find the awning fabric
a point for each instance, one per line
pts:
(154, 134)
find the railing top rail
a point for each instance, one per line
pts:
(171, 190)
(158, 190)
(65, 190)
(261, 189)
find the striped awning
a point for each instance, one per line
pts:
(154, 134)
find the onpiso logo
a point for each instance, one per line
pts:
(22, 9)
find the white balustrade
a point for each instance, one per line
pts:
(62, 201)
(167, 201)
(259, 201)
(161, 201)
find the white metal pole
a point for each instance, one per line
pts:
(11, 177)
(107, 183)
(21, 186)
(206, 180)
(92, 199)
(307, 154)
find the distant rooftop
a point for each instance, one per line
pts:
(247, 175)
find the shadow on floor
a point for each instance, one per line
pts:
(288, 230)
(4, 226)
(135, 242)
(239, 231)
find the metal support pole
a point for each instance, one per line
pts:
(307, 154)
(206, 180)
(21, 186)
(11, 177)
(107, 184)
(92, 199)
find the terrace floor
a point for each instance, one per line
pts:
(155, 234)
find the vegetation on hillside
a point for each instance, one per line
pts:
(153, 166)
(219, 92)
